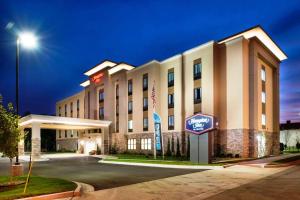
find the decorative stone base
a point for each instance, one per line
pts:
(36, 148)
(70, 144)
(17, 170)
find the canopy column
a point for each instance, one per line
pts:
(36, 141)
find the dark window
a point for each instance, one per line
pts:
(171, 101)
(117, 91)
(71, 107)
(197, 95)
(59, 111)
(89, 105)
(197, 71)
(130, 107)
(145, 124)
(66, 110)
(101, 95)
(66, 135)
(101, 113)
(145, 82)
(170, 79)
(145, 103)
(59, 134)
(129, 87)
(171, 122)
(78, 104)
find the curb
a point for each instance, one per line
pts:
(162, 165)
(59, 195)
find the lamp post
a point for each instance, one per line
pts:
(29, 41)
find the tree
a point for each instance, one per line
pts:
(298, 141)
(9, 131)
(169, 153)
(286, 137)
(178, 153)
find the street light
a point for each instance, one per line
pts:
(29, 41)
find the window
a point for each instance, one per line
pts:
(71, 107)
(131, 144)
(263, 74)
(101, 95)
(117, 91)
(197, 95)
(130, 126)
(145, 82)
(170, 79)
(66, 134)
(59, 111)
(171, 122)
(145, 103)
(59, 134)
(197, 71)
(72, 133)
(146, 143)
(145, 124)
(263, 119)
(129, 87)
(66, 110)
(263, 97)
(129, 107)
(171, 101)
(89, 105)
(101, 113)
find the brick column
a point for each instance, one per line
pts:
(36, 141)
(105, 141)
(21, 143)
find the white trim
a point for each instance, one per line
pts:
(145, 65)
(263, 37)
(171, 59)
(100, 67)
(85, 83)
(119, 67)
(202, 46)
(56, 120)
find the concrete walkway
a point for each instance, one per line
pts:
(199, 185)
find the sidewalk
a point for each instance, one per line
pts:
(264, 161)
(199, 185)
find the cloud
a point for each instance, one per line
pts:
(288, 22)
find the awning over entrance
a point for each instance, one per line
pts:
(36, 122)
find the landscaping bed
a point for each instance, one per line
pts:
(36, 186)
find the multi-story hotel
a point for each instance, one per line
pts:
(235, 79)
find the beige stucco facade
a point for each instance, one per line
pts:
(230, 86)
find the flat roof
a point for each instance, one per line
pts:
(57, 122)
(261, 34)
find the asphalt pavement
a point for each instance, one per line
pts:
(101, 176)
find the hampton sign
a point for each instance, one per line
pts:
(199, 124)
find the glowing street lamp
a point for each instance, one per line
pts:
(29, 41)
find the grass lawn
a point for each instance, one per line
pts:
(133, 158)
(36, 186)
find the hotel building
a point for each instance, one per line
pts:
(235, 79)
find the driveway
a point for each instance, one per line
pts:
(102, 176)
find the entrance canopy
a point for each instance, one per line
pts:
(67, 123)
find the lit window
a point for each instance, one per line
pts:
(145, 103)
(145, 82)
(197, 71)
(170, 79)
(131, 143)
(263, 97)
(171, 122)
(130, 126)
(263, 119)
(171, 100)
(145, 124)
(263, 74)
(146, 144)
(101, 113)
(101, 95)
(130, 87)
(197, 95)
(129, 107)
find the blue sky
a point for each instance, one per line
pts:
(76, 35)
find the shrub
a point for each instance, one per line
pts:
(237, 155)
(298, 146)
(281, 146)
(178, 153)
(169, 153)
(229, 155)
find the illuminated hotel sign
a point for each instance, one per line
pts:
(199, 124)
(97, 77)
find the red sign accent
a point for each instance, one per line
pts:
(97, 78)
